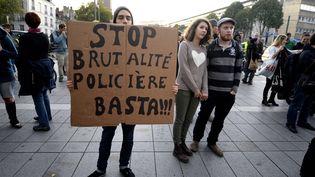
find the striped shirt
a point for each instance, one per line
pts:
(224, 68)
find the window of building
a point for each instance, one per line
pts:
(22, 28)
(39, 7)
(51, 11)
(51, 23)
(46, 31)
(33, 5)
(46, 11)
(46, 21)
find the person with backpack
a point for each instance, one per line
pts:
(59, 40)
(224, 72)
(36, 70)
(302, 102)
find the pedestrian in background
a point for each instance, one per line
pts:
(33, 64)
(192, 81)
(224, 71)
(275, 52)
(8, 52)
(60, 40)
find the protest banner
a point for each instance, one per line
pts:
(121, 73)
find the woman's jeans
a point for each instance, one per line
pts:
(42, 107)
(186, 106)
(106, 144)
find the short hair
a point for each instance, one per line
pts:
(62, 25)
(306, 34)
(6, 26)
(312, 39)
(191, 31)
(32, 19)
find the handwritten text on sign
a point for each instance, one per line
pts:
(121, 73)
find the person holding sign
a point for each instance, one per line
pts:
(122, 15)
(224, 72)
(192, 82)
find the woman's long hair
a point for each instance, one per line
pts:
(279, 39)
(191, 31)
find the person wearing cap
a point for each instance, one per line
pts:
(224, 72)
(214, 25)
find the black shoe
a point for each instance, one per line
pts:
(265, 103)
(16, 125)
(244, 81)
(306, 126)
(40, 128)
(96, 174)
(292, 128)
(127, 172)
(250, 83)
(273, 103)
(36, 118)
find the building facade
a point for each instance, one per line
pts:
(46, 11)
(298, 17)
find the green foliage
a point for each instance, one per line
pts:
(244, 20)
(268, 13)
(87, 13)
(212, 16)
(9, 8)
(233, 9)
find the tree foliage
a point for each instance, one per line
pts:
(9, 8)
(87, 13)
(233, 9)
(244, 20)
(212, 16)
(268, 14)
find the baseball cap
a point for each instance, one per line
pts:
(224, 20)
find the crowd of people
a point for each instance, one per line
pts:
(210, 64)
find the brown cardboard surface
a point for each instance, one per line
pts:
(121, 73)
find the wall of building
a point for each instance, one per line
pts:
(45, 10)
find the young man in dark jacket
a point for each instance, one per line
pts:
(7, 78)
(302, 102)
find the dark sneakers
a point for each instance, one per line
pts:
(306, 126)
(40, 128)
(292, 128)
(127, 172)
(97, 174)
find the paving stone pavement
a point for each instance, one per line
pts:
(254, 139)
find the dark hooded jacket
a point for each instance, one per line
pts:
(7, 54)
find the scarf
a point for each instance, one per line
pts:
(34, 30)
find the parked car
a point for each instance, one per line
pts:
(16, 34)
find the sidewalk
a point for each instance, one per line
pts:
(254, 139)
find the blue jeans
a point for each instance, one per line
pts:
(299, 103)
(42, 107)
(106, 144)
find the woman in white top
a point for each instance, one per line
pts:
(274, 50)
(192, 82)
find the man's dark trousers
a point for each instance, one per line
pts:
(222, 102)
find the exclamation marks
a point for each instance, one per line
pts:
(166, 106)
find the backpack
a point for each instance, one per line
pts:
(52, 44)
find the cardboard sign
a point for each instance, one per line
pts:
(121, 73)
